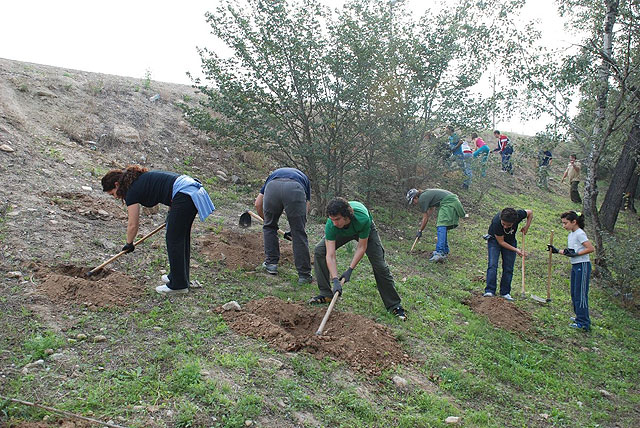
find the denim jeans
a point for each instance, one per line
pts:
(442, 246)
(580, 273)
(508, 260)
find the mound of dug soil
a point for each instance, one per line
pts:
(500, 312)
(67, 284)
(88, 206)
(238, 249)
(362, 343)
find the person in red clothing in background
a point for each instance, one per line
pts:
(506, 150)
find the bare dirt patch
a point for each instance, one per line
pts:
(501, 313)
(69, 284)
(238, 249)
(87, 205)
(360, 342)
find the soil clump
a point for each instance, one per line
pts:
(105, 288)
(360, 342)
(240, 250)
(501, 313)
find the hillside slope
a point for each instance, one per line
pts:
(112, 349)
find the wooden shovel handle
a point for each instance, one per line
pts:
(523, 256)
(549, 269)
(261, 220)
(329, 309)
(121, 253)
(414, 243)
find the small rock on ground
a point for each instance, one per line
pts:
(452, 420)
(231, 306)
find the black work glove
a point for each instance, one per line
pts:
(419, 234)
(337, 287)
(346, 275)
(287, 236)
(129, 248)
(570, 252)
(553, 249)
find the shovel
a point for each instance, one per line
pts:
(117, 256)
(245, 221)
(523, 255)
(548, 299)
(414, 243)
(329, 309)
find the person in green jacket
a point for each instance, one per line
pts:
(450, 211)
(349, 221)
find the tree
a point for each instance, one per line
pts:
(621, 177)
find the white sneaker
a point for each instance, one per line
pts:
(165, 279)
(164, 290)
(507, 297)
(488, 294)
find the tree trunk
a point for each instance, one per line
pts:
(630, 193)
(598, 138)
(622, 174)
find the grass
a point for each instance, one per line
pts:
(174, 362)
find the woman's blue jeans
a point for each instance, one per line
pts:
(508, 260)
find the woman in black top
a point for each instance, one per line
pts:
(137, 186)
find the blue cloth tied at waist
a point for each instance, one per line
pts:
(199, 196)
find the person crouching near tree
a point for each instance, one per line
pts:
(351, 221)
(578, 249)
(135, 186)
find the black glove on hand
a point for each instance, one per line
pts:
(419, 234)
(553, 249)
(129, 248)
(287, 236)
(570, 252)
(346, 275)
(337, 287)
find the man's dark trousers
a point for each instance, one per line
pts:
(375, 254)
(285, 194)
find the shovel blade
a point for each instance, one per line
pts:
(538, 299)
(245, 220)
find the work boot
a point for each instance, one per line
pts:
(319, 300)
(304, 279)
(166, 291)
(271, 269)
(399, 312)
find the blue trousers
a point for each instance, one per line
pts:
(580, 273)
(442, 246)
(508, 260)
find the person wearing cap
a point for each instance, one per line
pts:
(450, 210)
(288, 190)
(351, 221)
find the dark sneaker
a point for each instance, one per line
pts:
(305, 279)
(272, 269)
(319, 300)
(399, 312)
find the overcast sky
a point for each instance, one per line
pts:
(130, 37)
